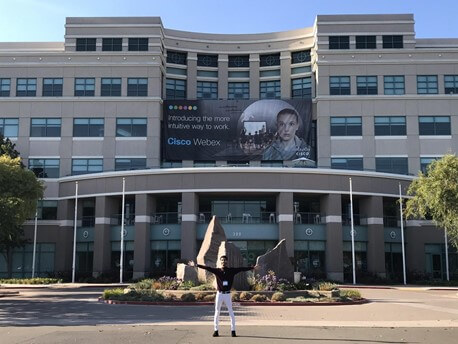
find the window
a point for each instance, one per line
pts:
(269, 60)
(126, 127)
(138, 44)
(366, 42)
(239, 90)
(207, 60)
(9, 127)
(84, 87)
(175, 89)
(366, 85)
(394, 84)
(346, 126)
(123, 164)
(45, 127)
(45, 168)
(111, 44)
(392, 42)
(52, 87)
(339, 85)
(391, 165)
(84, 166)
(347, 163)
(427, 84)
(176, 57)
(269, 89)
(451, 84)
(239, 74)
(111, 87)
(85, 44)
(26, 87)
(137, 87)
(47, 210)
(5, 87)
(239, 61)
(434, 125)
(339, 42)
(207, 90)
(424, 162)
(300, 56)
(301, 88)
(392, 125)
(88, 127)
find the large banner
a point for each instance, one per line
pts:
(268, 129)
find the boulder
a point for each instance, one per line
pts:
(187, 273)
(208, 253)
(235, 260)
(278, 261)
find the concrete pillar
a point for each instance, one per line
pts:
(64, 241)
(331, 207)
(190, 207)
(285, 212)
(371, 209)
(223, 64)
(144, 207)
(254, 76)
(104, 208)
(191, 90)
(285, 74)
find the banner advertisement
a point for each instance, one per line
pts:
(238, 130)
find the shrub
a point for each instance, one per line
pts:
(259, 298)
(203, 287)
(235, 297)
(113, 294)
(209, 297)
(170, 297)
(284, 284)
(350, 294)
(37, 280)
(188, 297)
(146, 284)
(200, 296)
(245, 296)
(305, 285)
(167, 282)
(278, 296)
(325, 286)
(186, 285)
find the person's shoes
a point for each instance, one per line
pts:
(233, 334)
(215, 334)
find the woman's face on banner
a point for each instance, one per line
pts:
(287, 126)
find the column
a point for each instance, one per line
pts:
(285, 211)
(64, 242)
(144, 205)
(191, 90)
(254, 76)
(285, 72)
(223, 63)
(190, 207)
(331, 207)
(372, 210)
(104, 208)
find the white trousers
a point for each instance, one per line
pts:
(226, 298)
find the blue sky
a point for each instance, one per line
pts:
(43, 20)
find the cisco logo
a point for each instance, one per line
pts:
(182, 107)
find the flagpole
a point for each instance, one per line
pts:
(352, 235)
(75, 223)
(121, 258)
(35, 242)
(402, 237)
(446, 254)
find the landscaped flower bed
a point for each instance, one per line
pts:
(37, 280)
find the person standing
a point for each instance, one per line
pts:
(224, 280)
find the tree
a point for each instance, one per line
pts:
(9, 148)
(19, 193)
(435, 195)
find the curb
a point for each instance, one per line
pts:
(8, 293)
(243, 303)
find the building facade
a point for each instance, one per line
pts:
(90, 110)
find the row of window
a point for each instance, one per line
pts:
(237, 61)
(390, 125)
(300, 88)
(84, 87)
(366, 42)
(392, 84)
(387, 165)
(111, 44)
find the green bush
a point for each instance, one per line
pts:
(278, 296)
(36, 280)
(186, 285)
(259, 298)
(188, 297)
(244, 295)
(350, 294)
(202, 287)
(113, 294)
(146, 284)
(133, 295)
(325, 286)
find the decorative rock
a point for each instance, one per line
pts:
(235, 259)
(187, 273)
(276, 260)
(208, 253)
